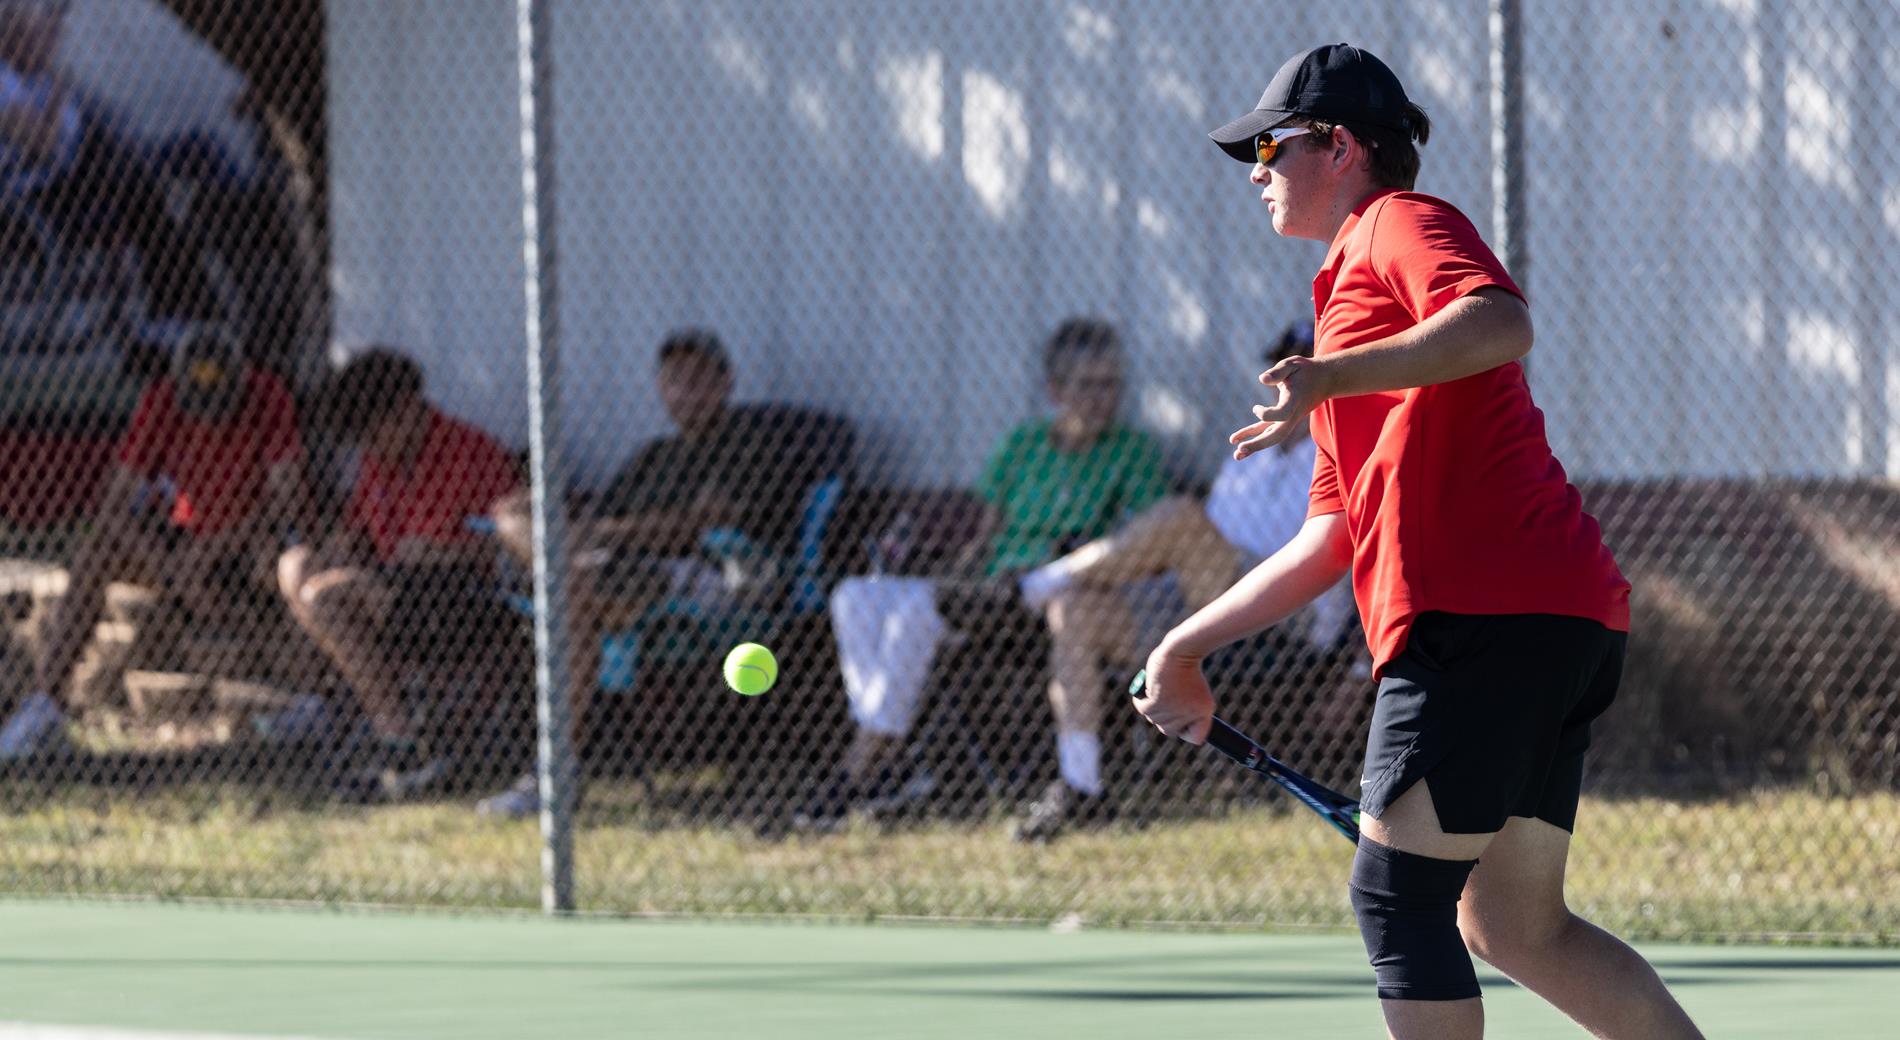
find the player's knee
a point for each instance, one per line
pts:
(1510, 935)
(1407, 906)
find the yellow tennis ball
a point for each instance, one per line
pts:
(751, 669)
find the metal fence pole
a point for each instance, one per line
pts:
(554, 752)
(1507, 138)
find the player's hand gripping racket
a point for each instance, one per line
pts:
(1337, 809)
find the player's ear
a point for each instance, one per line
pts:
(1355, 151)
(1340, 153)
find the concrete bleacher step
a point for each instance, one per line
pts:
(25, 582)
(157, 696)
(147, 667)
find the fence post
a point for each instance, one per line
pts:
(1507, 138)
(554, 758)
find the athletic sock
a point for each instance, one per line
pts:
(1044, 584)
(1080, 755)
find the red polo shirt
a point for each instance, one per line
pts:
(218, 467)
(1451, 494)
(459, 473)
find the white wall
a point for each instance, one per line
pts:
(426, 196)
(883, 206)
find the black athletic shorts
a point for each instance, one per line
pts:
(1494, 712)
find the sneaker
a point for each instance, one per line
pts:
(37, 727)
(1059, 808)
(307, 720)
(394, 770)
(891, 791)
(829, 808)
(521, 800)
(888, 791)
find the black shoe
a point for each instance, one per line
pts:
(829, 808)
(892, 791)
(392, 771)
(1059, 808)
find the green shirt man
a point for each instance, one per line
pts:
(1051, 499)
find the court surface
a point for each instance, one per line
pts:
(91, 971)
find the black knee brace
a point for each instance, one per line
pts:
(1407, 907)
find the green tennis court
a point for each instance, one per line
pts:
(76, 971)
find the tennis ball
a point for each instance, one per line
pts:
(751, 669)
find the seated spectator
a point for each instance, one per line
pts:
(39, 120)
(207, 484)
(1256, 506)
(1051, 484)
(704, 521)
(403, 567)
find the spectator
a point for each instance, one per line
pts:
(404, 567)
(207, 484)
(39, 120)
(704, 521)
(1050, 485)
(1089, 596)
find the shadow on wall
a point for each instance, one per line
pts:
(1766, 633)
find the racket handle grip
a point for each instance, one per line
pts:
(1220, 736)
(1231, 742)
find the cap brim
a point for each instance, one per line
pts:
(1236, 138)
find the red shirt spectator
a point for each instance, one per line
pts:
(218, 465)
(459, 472)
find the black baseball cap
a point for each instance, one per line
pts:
(1338, 82)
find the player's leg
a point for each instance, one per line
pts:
(1171, 535)
(1450, 737)
(1498, 766)
(1513, 915)
(1406, 883)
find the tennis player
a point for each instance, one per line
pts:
(1495, 615)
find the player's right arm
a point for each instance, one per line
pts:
(1178, 701)
(1311, 563)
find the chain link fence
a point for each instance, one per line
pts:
(865, 313)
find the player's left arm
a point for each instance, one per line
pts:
(1475, 333)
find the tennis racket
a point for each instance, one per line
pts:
(1333, 807)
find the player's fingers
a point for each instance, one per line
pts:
(1277, 374)
(1246, 433)
(1189, 728)
(1269, 435)
(1197, 732)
